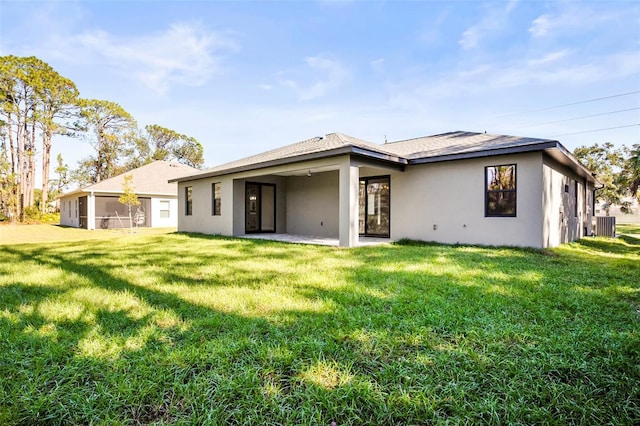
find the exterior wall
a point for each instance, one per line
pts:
(232, 218)
(564, 221)
(70, 211)
(164, 222)
(202, 219)
(313, 204)
(445, 202)
(442, 202)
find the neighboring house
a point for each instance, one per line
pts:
(457, 187)
(97, 207)
(620, 215)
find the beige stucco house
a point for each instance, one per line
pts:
(458, 187)
(97, 207)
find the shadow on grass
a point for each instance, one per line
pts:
(624, 244)
(408, 335)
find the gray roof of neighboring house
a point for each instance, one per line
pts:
(149, 179)
(428, 149)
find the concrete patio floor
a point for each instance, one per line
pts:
(311, 239)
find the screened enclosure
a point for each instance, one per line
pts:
(110, 214)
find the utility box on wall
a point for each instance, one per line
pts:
(606, 226)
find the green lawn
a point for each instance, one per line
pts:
(176, 328)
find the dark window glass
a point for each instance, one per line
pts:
(188, 196)
(500, 190)
(217, 199)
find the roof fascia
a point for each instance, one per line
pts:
(486, 153)
(566, 158)
(111, 192)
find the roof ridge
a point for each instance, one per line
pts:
(434, 136)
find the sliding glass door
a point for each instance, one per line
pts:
(260, 207)
(375, 206)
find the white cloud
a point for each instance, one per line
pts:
(495, 20)
(181, 55)
(556, 69)
(541, 25)
(549, 58)
(572, 19)
(377, 65)
(184, 54)
(320, 75)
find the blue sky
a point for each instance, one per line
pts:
(244, 77)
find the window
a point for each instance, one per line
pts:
(164, 208)
(188, 197)
(216, 196)
(500, 191)
(76, 209)
(69, 208)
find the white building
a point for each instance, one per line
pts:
(97, 207)
(458, 187)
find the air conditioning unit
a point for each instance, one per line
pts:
(606, 226)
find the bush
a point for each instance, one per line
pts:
(33, 215)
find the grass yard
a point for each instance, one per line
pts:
(176, 328)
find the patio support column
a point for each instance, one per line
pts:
(348, 218)
(91, 211)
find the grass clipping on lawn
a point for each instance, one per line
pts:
(180, 328)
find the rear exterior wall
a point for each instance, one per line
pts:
(445, 202)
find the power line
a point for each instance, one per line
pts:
(573, 103)
(580, 118)
(596, 130)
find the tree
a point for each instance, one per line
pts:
(59, 185)
(606, 162)
(34, 101)
(18, 105)
(112, 130)
(189, 153)
(58, 97)
(160, 143)
(7, 181)
(129, 197)
(631, 171)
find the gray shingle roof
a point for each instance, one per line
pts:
(149, 179)
(459, 142)
(318, 144)
(443, 147)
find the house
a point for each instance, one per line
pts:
(629, 212)
(458, 187)
(97, 207)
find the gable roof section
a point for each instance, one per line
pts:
(151, 179)
(429, 149)
(330, 145)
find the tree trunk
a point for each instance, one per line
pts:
(14, 184)
(46, 164)
(99, 158)
(32, 165)
(22, 175)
